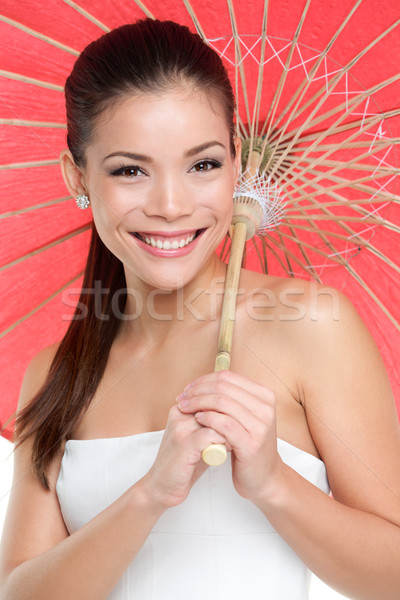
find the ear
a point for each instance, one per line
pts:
(72, 175)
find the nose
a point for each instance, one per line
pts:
(169, 199)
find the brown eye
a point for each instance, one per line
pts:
(206, 165)
(202, 166)
(131, 172)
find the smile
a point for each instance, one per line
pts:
(168, 243)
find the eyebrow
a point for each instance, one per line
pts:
(144, 158)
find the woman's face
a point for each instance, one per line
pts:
(160, 177)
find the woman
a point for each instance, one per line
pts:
(111, 498)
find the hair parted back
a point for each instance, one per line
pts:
(146, 56)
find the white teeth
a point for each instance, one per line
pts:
(167, 245)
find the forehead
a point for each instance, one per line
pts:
(177, 119)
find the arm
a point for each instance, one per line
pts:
(38, 559)
(352, 541)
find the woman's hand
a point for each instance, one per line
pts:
(243, 412)
(178, 464)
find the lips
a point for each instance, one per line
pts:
(168, 243)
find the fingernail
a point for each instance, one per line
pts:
(180, 397)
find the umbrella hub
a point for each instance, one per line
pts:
(263, 148)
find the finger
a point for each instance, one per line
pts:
(224, 404)
(233, 432)
(207, 436)
(220, 378)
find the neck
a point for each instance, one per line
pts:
(153, 314)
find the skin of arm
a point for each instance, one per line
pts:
(39, 560)
(351, 541)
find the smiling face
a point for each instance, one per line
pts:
(160, 176)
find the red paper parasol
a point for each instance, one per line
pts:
(326, 111)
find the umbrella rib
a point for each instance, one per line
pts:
(39, 306)
(335, 80)
(368, 123)
(32, 80)
(23, 123)
(309, 120)
(343, 183)
(144, 8)
(262, 259)
(194, 18)
(21, 211)
(26, 165)
(87, 15)
(359, 242)
(239, 62)
(302, 89)
(354, 235)
(282, 80)
(356, 166)
(257, 101)
(46, 247)
(374, 297)
(278, 258)
(348, 107)
(288, 253)
(39, 36)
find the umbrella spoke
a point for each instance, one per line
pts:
(87, 15)
(239, 58)
(334, 82)
(374, 193)
(40, 305)
(271, 249)
(354, 239)
(368, 123)
(32, 80)
(257, 101)
(340, 165)
(40, 36)
(23, 123)
(282, 80)
(27, 165)
(47, 246)
(336, 79)
(21, 211)
(372, 294)
(302, 89)
(347, 108)
(288, 254)
(190, 10)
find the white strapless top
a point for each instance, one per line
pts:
(215, 545)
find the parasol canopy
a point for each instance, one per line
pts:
(318, 93)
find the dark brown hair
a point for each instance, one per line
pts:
(147, 56)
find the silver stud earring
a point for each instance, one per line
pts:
(82, 201)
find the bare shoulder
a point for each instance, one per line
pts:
(294, 300)
(36, 373)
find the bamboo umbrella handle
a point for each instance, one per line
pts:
(216, 454)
